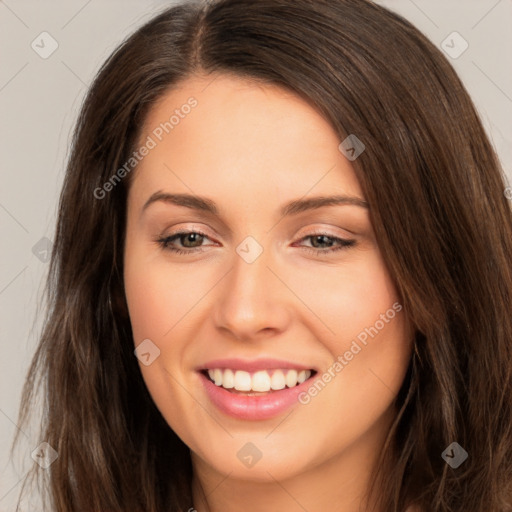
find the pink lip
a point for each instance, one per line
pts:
(253, 366)
(253, 408)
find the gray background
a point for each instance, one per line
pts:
(39, 101)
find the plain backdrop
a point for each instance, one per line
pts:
(39, 102)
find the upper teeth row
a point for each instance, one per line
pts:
(258, 381)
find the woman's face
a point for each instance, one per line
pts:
(259, 286)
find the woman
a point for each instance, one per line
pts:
(281, 277)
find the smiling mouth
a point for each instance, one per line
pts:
(262, 382)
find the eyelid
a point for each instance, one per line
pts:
(180, 232)
(185, 230)
(321, 232)
(343, 243)
(328, 230)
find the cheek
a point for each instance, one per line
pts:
(150, 313)
(346, 299)
(159, 294)
(161, 300)
(360, 321)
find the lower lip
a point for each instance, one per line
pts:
(257, 407)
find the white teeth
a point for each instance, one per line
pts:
(291, 378)
(278, 381)
(261, 381)
(217, 377)
(303, 375)
(242, 381)
(228, 379)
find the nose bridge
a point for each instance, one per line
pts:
(250, 272)
(251, 300)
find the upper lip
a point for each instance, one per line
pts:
(253, 365)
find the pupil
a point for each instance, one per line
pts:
(320, 237)
(191, 237)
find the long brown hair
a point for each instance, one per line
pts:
(444, 226)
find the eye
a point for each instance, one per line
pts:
(191, 240)
(322, 239)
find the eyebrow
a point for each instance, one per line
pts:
(291, 208)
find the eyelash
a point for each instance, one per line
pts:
(164, 243)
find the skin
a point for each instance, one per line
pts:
(251, 148)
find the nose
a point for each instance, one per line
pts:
(253, 302)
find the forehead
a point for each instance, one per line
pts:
(219, 132)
